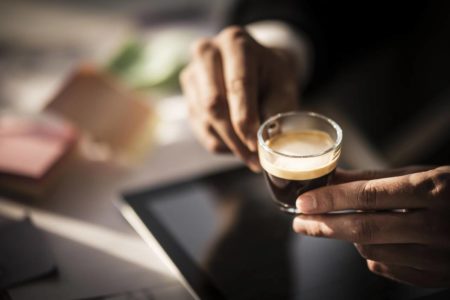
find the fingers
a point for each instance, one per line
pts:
(202, 128)
(237, 80)
(211, 104)
(209, 137)
(409, 263)
(407, 191)
(416, 256)
(343, 176)
(365, 228)
(408, 275)
(240, 77)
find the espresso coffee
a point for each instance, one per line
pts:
(299, 168)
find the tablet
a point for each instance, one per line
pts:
(224, 239)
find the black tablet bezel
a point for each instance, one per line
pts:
(198, 280)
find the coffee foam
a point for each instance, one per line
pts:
(300, 143)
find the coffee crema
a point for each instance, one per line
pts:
(310, 145)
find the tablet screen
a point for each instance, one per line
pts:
(230, 241)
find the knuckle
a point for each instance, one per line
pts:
(328, 203)
(433, 183)
(440, 178)
(362, 229)
(240, 85)
(367, 196)
(422, 184)
(201, 46)
(214, 106)
(233, 33)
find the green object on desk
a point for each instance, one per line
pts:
(153, 64)
(125, 58)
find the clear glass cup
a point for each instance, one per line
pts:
(299, 152)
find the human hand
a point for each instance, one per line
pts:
(231, 82)
(411, 247)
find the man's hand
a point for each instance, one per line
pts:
(230, 84)
(412, 246)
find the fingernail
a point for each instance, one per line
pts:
(297, 225)
(252, 146)
(254, 164)
(255, 168)
(306, 204)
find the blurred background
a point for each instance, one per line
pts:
(90, 106)
(42, 41)
(104, 72)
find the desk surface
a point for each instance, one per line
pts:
(96, 251)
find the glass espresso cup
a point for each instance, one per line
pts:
(299, 152)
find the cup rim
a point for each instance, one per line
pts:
(335, 146)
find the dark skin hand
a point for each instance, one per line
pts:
(412, 247)
(233, 81)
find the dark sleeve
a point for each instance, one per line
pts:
(339, 30)
(298, 14)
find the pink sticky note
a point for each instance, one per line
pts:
(30, 147)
